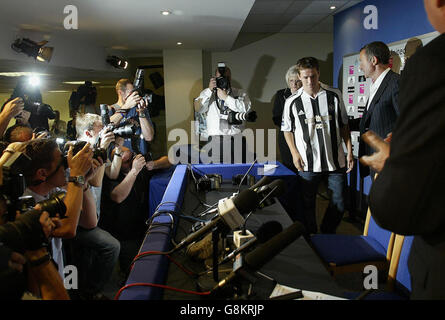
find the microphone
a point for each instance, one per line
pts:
(264, 233)
(263, 181)
(257, 258)
(230, 213)
(274, 189)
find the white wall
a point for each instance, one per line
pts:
(182, 83)
(260, 67)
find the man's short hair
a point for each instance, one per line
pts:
(307, 63)
(292, 71)
(85, 121)
(122, 85)
(15, 133)
(41, 152)
(379, 50)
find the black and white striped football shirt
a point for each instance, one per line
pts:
(316, 124)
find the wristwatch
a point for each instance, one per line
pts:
(79, 180)
(40, 261)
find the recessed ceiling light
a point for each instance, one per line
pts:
(179, 43)
(333, 7)
(165, 12)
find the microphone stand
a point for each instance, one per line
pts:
(215, 242)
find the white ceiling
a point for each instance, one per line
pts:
(135, 28)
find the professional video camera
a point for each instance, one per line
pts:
(222, 81)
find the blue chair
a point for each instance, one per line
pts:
(398, 286)
(351, 253)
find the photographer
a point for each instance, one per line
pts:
(25, 264)
(131, 107)
(95, 250)
(125, 203)
(18, 133)
(220, 103)
(47, 175)
(10, 109)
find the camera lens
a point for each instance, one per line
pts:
(54, 205)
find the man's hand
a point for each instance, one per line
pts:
(377, 160)
(132, 100)
(106, 138)
(138, 163)
(222, 94)
(95, 165)
(14, 107)
(212, 84)
(48, 224)
(16, 261)
(350, 162)
(81, 162)
(150, 165)
(298, 162)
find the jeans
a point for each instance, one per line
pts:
(95, 253)
(334, 213)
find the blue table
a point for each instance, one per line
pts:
(153, 269)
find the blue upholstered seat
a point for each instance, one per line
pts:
(351, 249)
(348, 249)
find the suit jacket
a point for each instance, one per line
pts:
(381, 115)
(277, 117)
(407, 196)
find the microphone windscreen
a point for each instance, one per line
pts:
(266, 251)
(246, 201)
(280, 188)
(202, 249)
(268, 230)
(262, 182)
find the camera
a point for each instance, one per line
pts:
(125, 129)
(209, 182)
(78, 145)
(138, 86)
(249, 180)
(222, 81)
(14, 185)
(25, 233)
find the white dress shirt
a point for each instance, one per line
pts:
(217, 123)
(375, 86)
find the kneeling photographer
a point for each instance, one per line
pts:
(46, 175)
(226, 109)
(94, 250)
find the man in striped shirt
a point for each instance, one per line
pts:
(314, 125)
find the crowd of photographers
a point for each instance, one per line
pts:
(80, 203)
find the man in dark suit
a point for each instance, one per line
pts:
(382, 108)
(407, 196)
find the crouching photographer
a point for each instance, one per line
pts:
(46, 175)
(25, 263)
(93, 250)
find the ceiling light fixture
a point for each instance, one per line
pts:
(33, 49)
(333, 7)
(179, 43)
(165, 12)
(117, 62)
